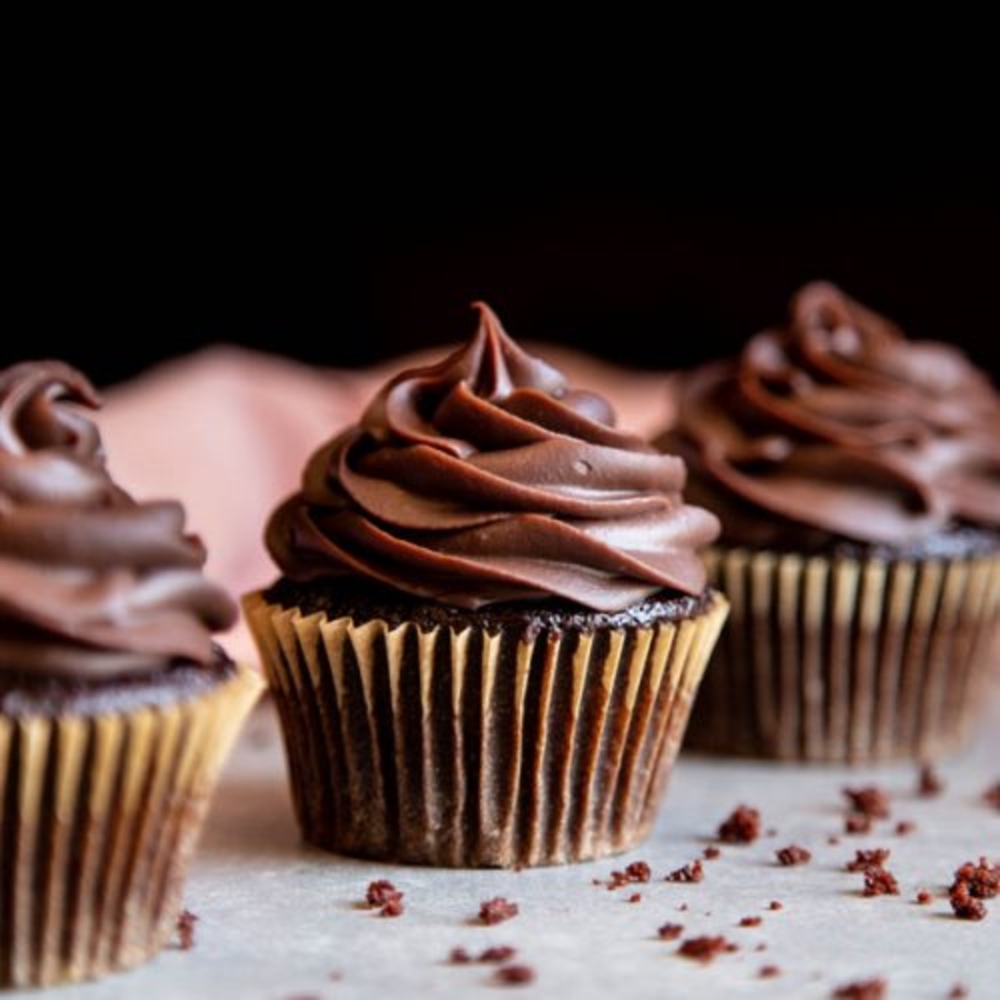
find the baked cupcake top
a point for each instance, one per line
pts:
(93, 585)
(485, 478)
(837, 427)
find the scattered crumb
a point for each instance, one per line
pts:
(923, 897)
(711, 852)
(683, 906)
(514, 975)
(905, 826)
(857, 822)
(958, 992)
(637, 871)
(768, 971)
(761, 946)
(870, 800)
(776, 904)
(866, 989)
(670, 932)
(636, 897)
(793, 855)
(875, 858)
(992, 795)
(742, 826)
(382, 893)
(929, 782)
(459, 956)
(833, 840)
(393, 908)
(185, 929)
(751, 921)
(705, 948)
(499, 953)
(964, 905)
(689, 873)
(982, 879)
(880, 882)
(497, 910)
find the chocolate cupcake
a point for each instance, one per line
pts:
(117, 705)
(857, 477)
(490, 621)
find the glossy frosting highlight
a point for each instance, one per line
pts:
(92, 583)
(837, 425)
(485, 478)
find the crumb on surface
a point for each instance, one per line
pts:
(380, 892)
(992, 795)
(857, 822)
(497, 910)
(904, 827)
(636, 897)
(693, 872)
(705, 947)
(874, 858)
(670, 932)
(742, 826)
(870, 800)
(880, 881)
(923, 897)
(863, 989)
(958, 992)
(929, 782)
(498, 953)
(637, 871)
(793, 854)
(711, 853)
(514, 975)
(964, 905)
(185, 929)
(775, 904)
(752, 921)
(459, 956)
(768, 971)
(982, 878)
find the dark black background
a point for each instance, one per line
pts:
(643, 262)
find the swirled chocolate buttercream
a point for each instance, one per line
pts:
(92, 583)
(485, 478)
(838, 426)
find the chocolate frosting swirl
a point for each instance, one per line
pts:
(92, 584)
(838, 426)
(484, 478)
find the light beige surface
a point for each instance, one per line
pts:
(277, 919)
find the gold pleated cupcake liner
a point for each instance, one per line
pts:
(99, 816)
(848, 660)
(478, 749)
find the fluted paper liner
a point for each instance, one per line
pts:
(478, 749)
(848, 660)
(99, 816)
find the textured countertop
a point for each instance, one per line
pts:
(277, 920)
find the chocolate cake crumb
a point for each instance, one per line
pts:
(875, 858)
(185, 929)
(498, 953)
(459, 956)
(393, 907)
(670, 932)
(636, 897)
(689, 873)
(497, 910)
(514, 975)
(711, 853)
(705, 948)
(929, 783)
(833, 840)
(992, 795)
(751, 921)
(964, 905)
(776, 904)
(904, 827)
(958, 992)
(761, 946)
(923, 897)
(865, 989)
(982, 879)
(742, 826)
(380, 892)
(857, 822)
(870, 800)
(637, 871)
(768, 971)
(793, 855)
(880, 882)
